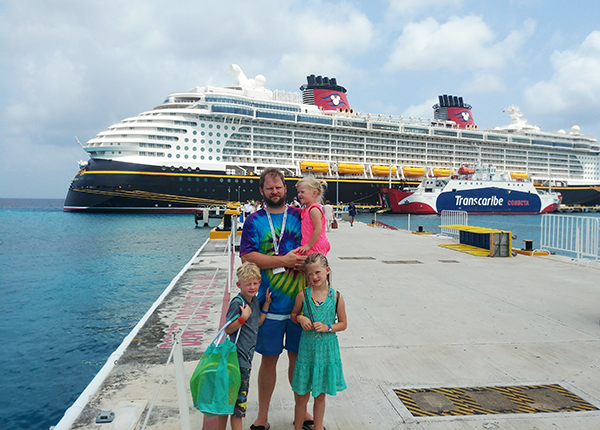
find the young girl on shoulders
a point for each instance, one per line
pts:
(318, 368)
(310, 194)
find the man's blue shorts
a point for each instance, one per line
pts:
(271, 336)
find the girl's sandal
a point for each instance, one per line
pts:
(253, 427)
(307, 425)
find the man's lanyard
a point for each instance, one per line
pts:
(277, 241)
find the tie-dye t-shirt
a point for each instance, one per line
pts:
(257, 237)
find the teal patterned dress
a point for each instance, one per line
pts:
(319, 366)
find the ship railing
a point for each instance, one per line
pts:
(576, 236)
(453, 218)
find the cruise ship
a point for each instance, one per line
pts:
(208, 146)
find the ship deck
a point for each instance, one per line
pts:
(436, 340)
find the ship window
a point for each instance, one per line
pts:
(180, 178)
(210, 157)
(186, 148)
(178, 156)
(186, 156)
(209, 149)
(229, 180)
(202, 149)
(194, 132)
(194, 157)
(210, 133)
(218, 158)
(195, 141)
(194, 148)
(210, 126)
(205, 179)
(186, 139)
(202, 125)
(233, 127)
(189, 179)
(178, 147)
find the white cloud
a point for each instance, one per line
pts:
(575, 84)
(483, 83)
(422, 110)
(410, 7)
(460, 44)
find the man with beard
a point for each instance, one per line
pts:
(269, 238)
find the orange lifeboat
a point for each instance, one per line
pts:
(383, 170)
(314, 166)
(350, 168)
(413, 172)
(441, 173)
(463, 170)
(518, 175)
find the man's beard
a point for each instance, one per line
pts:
(275, 203)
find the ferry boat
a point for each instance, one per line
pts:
(208, 145)
(480, 190)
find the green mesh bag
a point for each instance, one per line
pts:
(216, 380)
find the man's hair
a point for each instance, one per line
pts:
(247, 272)
(272, 172)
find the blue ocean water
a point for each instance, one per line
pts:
(72, 286)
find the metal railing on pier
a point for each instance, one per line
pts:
(577, 236)
(453, 218)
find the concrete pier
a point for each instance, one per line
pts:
(424, 323)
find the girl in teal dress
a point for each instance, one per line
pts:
(318, 369)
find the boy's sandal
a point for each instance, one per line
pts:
(253, 427)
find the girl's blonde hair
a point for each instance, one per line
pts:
(247, 272)
(318, 258)
(314, 184)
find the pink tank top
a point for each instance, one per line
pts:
(322, 244)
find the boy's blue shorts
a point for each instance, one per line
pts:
(271, 336)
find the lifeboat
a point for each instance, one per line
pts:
(441, 173)
(463, 170)
(518, 175)
(413, 172)
(314, 166)
(383, 170)
(354, 169)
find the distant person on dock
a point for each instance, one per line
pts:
(247, 209)
(318, 368)
(245, 304)
(310, 193)
(269, 238)
(328, 210)
(351, 213)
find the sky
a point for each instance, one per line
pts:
(71, 68)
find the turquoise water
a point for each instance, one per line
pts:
(72, 286)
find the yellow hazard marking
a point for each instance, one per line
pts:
(468, 249)
(432, 402)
